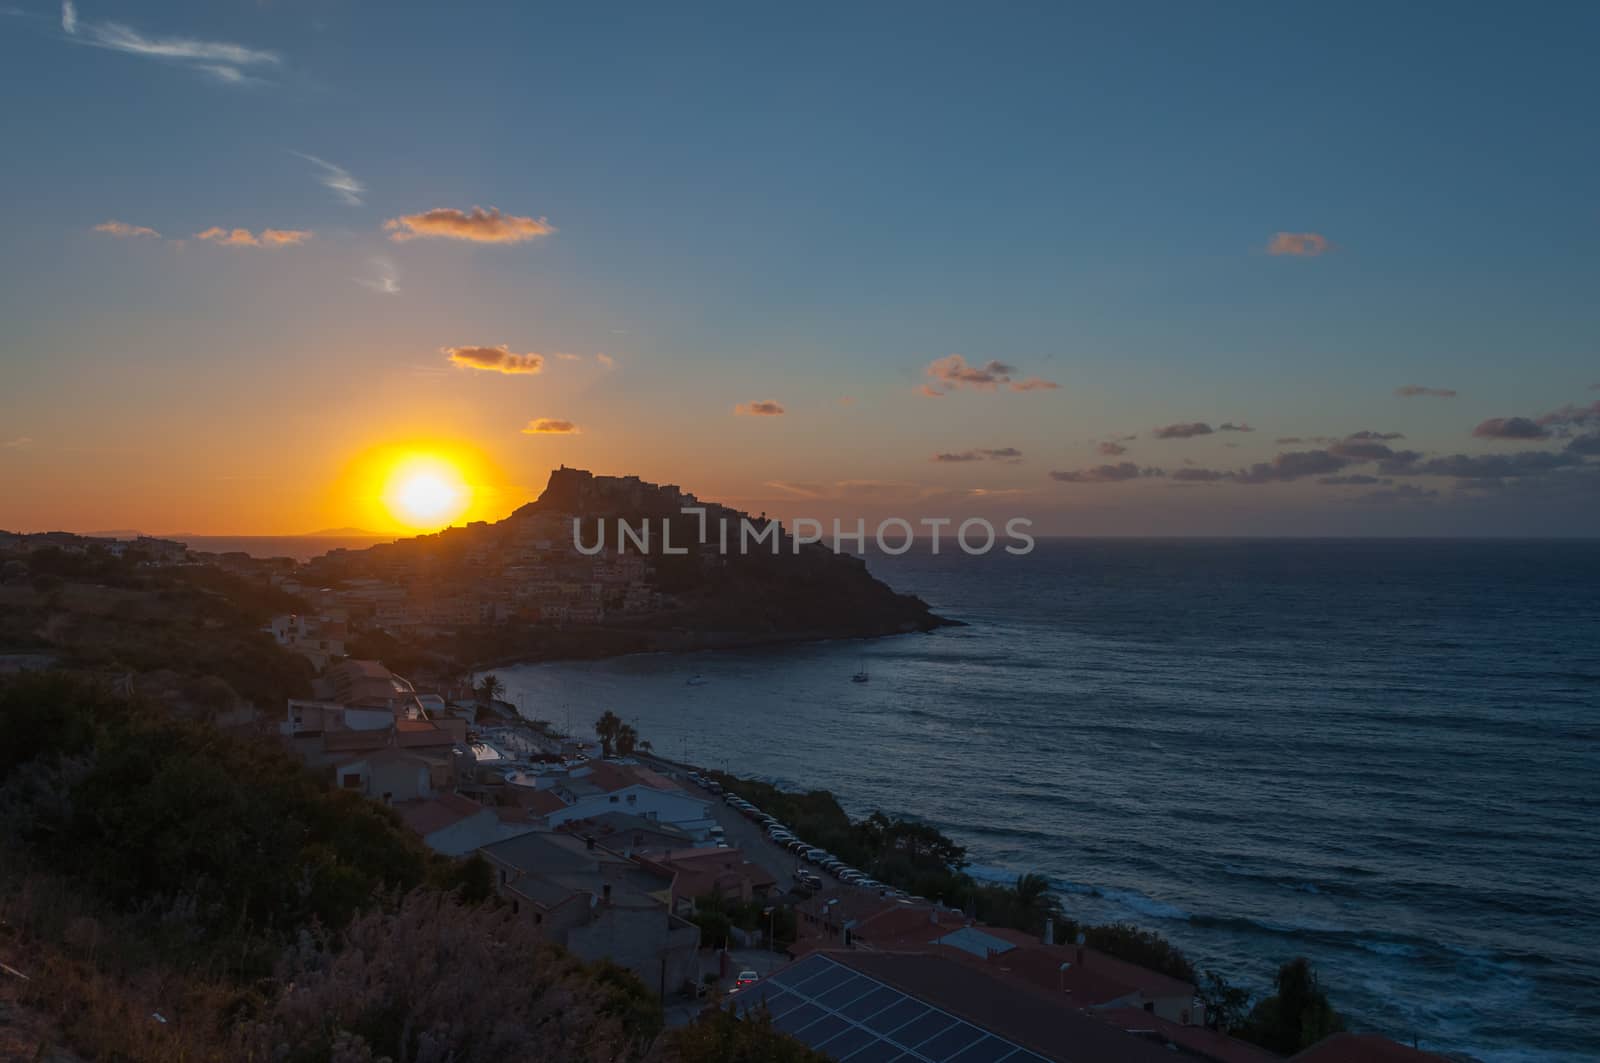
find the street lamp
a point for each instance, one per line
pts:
(771, 912)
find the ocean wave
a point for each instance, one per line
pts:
(1134, 902)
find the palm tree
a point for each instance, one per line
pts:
(1031, 890)
(606, 728)
(490, 689)
(627, 740)
(645, 746)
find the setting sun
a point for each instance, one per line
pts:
(425, 491)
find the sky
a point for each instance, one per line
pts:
(1119, 269)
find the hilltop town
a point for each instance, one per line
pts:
(523, 589)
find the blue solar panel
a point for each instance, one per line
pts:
(947, 1044)
(877, 1000)
(988, 1050)
(800, 1017)
(852, 1038)
(914, 1033)
(898, 1015)
(874, 1052)
(799, 972)
(824, 1028)
(853, 1017)
(846, 991)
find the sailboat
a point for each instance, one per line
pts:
(861, 676)
(697, 680)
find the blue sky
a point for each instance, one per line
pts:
(802, 206)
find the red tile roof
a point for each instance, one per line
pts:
(350, 741)
(437, 813)
(1363, 1048)
(1195, 1039)
(542, 802)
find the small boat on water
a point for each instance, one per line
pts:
(697, 680)
(861, 676)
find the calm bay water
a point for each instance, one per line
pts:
(1381, 755)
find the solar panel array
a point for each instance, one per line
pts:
(856, 1019)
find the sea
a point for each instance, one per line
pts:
(1380, 755)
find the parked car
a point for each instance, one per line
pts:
(807, 879)
(746, 978)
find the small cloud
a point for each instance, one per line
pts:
(1302, 245)
(69, 17)
(494, 359)
(1568, 417)
(1361, 450)
(570, 357)
(1192, 475)
(122, 228)
(478, 226)
(337, 179)
(1229, 426)
(1382, 437)
(762, 408)
(1585, 444)
(245, 238)
(1417, 391)
(385, 278)
(1183, 431)
(1110, 449)
(550, 426)
(1511, 428)
(606, 361)
(19, 443)
(1355, 479)
(1292, 465)
(1104, 474)
(1033, 383)
(1009, 455)
(952, 372)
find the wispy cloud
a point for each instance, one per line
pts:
(952, 372)
(220, 59)
(477, 225)
(1033, 383)
(1417, 391)
(1110, 449)
(1185, 430)
(494, 359)
(19, 443)
(550, 426)
(1301, 245)
(1510, 428)
(1104, 474)
(383, 277)
(606, 361)
(122, 228)
(336, 178)
(246, 238)
(798, 490)
(1009, 455)
(760, 408)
